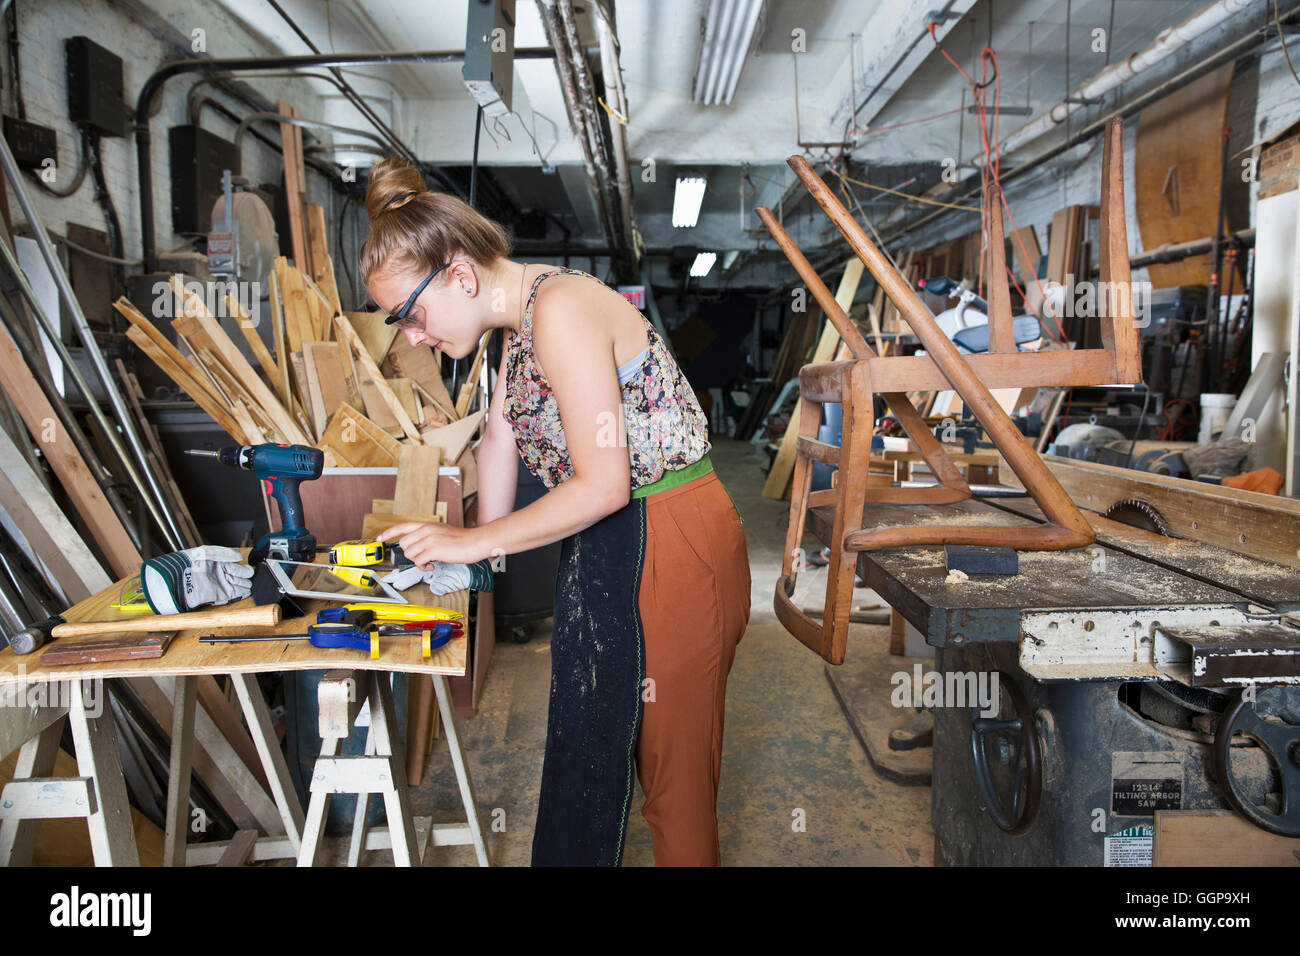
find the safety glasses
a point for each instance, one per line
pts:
(400, 317)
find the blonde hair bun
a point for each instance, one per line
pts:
(393, 183)
(430, 230)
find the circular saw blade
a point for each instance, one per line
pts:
(1136, 513)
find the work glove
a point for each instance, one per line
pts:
(183, 580)
(444, 578)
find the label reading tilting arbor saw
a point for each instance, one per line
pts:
(1143, 782)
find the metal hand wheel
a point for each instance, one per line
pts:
(1015, 740)
(1280, 741)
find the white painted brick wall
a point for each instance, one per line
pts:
(43, 26)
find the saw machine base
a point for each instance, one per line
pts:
(1096, 649)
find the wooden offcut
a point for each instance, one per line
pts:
(417, 480)
(325, 380)
(206, 332)
(366, 366)
(454, 438)
(375, 523)
(357, 441)
(215, 406)
(322, 266)
(138, 647)
(1217, 838)
(1247, 522)
(69, 467)
(1178, 160)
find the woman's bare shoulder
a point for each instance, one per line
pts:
(572, 303)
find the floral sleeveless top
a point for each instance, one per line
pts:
(665, 428)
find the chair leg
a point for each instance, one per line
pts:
(855, 450)
(805, 629)
(810, 414)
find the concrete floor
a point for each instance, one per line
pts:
(788, 746)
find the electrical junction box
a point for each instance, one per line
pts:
(489, 70)
(95, 96)
(198, 158)
(31, 143)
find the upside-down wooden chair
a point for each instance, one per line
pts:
(854, 383)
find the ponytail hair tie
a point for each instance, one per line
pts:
(400, 197)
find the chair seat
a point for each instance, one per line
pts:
(1024, 328)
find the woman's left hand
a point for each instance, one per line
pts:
(425, 542)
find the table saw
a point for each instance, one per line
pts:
(1130, 673)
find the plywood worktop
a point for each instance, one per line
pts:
(186, 656)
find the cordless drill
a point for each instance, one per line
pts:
(281, 469)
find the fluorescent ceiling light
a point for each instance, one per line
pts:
(703, 263)
(687, 201)
(728, 34)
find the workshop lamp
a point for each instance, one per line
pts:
(728, 33)
(687, 201)
(703, 264)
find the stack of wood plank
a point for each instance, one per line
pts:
(342, 381)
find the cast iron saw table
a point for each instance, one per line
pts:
(1120, 655)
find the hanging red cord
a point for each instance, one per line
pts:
(990, 169)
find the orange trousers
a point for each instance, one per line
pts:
(694, 604)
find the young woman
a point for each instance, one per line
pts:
(652, 593)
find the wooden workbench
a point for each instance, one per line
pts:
(100, 794)
(185, 656)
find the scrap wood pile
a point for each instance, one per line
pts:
(342, 381)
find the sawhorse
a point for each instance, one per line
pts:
(98, 795)
(380, 770)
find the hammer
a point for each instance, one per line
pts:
(32, 637)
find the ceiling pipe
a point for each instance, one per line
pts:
(352, 96)
(1238, 49)
(1166, 44)
(602, 149)
(939, 18)
(252, 118)
(248, 64)
(613, 74)
(569, 90)
(580, 104)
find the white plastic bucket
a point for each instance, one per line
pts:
(1215, 409)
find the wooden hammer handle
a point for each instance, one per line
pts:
(266, 615)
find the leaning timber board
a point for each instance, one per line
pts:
(1178, 156)
(1245, 522)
